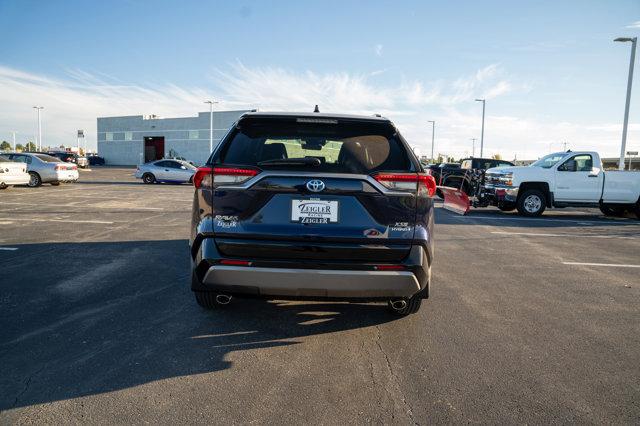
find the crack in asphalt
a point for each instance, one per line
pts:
(396, 380)
(26, 387)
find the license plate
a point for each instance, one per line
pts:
(314, 211)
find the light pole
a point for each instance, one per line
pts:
(39, 145)
(210, 102)
(473, 140)
(633, 41)
(14, 140)
(433, 136)
(482, 132)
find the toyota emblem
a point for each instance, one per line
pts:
(315, 185)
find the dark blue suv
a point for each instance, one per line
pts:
(313, 206)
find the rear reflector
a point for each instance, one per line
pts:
(408, 182)
(233, 262)
(390, 267)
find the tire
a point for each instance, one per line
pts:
(3, 186)
(55, 183)
(148, 178)
(531, 203)
(612, 210)
(35, 181)
(507, 207)
(413, 306)
(636, 209)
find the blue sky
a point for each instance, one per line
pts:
(549, 70)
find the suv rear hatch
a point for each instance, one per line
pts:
(322, 189)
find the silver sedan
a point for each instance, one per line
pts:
(44, 168)
(173, 171)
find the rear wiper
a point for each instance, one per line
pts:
(307, 161)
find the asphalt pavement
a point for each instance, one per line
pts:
(529, 321)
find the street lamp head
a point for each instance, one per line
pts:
(430, 121)
(479, 100)
(625, 39)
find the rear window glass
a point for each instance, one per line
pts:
(47, 158)
(360, 148)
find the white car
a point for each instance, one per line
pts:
(172, 171)
(563, 179)
(12, 173)
(44, 168)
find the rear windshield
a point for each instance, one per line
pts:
(354, 147)
(47, 158)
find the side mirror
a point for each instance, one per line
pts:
(569, 166)
(183, 167)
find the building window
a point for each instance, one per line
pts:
(128, 136)
(108, 136)
(194, 134)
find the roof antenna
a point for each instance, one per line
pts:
(316, 109)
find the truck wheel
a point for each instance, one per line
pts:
(612, 211)
(531, 203)
(404, 307)
(636, 209)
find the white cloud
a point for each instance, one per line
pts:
(378, 49)
(74, 103)
(634, 25)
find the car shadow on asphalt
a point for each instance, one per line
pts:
(495, 217)
(116, 315)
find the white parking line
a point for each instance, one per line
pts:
(536, 234)
(612, 265)
(9, 248)
(60, 220)
(501, 218)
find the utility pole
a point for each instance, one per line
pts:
(482, 132)
(39, 144)
(433, 136)
(633, 41)
(14, 140)
(473, 140)
(210, 102)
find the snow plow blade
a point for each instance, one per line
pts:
(455, 200)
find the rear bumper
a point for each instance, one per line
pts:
(288, 282)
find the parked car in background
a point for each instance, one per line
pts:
(12, 173)
(70, 157)
(563, 179)
(43, 168)
(170, 171)
(95, 160)
(313, 206)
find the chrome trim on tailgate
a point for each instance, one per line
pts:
(314, 282)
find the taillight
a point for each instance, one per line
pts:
(413, 182)
(201, 174)
(74, 167)
(60, 167)
(222, 176)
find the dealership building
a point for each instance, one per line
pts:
(137, 139)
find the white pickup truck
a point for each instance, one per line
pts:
(563, 179)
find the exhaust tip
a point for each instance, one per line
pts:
(223, 299)
(399, 304)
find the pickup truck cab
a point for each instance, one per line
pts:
(563, 179)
